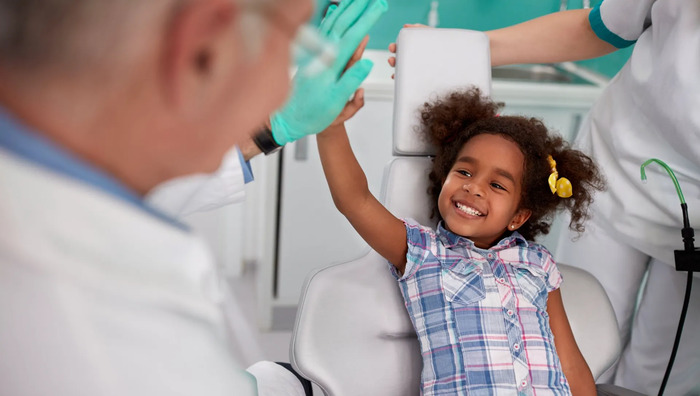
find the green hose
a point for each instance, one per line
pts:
(670, 173)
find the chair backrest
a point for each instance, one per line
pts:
(353, 335)
(430, 63)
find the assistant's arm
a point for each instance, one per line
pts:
(385, 233)
(558, 37)
(573, 364)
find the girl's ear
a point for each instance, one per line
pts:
(519, 218)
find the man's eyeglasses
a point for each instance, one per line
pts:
(312, 53)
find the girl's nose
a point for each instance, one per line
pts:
(473, 188)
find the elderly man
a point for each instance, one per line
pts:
(100, 102)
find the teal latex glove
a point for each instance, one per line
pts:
(316, 100)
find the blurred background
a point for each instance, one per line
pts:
(478, 15)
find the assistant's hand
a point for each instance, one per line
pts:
(316, 100)
(392, 46)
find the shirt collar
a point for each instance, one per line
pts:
(450, 240)
(38, 149)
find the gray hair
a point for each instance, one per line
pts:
(75, 34)
(65, 33)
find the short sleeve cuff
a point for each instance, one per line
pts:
(602, 31)
(554, 281)
(554, 276)
(419, 240)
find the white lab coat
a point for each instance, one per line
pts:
(649, 110)
(99, 297)
(185, 195)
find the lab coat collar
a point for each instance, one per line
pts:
(28, 144)
(49, 219)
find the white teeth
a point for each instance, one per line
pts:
(468, 210)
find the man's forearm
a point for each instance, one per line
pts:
(558, 37)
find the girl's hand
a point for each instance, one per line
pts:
(392, 46)
(351, 108)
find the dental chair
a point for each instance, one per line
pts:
(353, 335)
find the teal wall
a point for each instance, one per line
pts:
(476, 15)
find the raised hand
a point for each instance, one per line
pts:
(318, 99)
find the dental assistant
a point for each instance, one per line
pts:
(649, 110)
(102, 293)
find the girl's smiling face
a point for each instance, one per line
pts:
(480, 197)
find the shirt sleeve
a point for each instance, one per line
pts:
(621, 22)
(553, 278)
(420, 240)
(201, 192)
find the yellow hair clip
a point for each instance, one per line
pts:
(561, 186)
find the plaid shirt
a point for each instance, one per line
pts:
(480, 315)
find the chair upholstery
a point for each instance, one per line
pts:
(430, 63)
(352, 334)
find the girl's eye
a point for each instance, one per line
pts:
(464, 172)
(498, 186)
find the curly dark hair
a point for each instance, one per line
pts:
(450, 122)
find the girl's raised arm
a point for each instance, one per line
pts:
(385, 233)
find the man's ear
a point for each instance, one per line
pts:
(200, 45)
(519, 218)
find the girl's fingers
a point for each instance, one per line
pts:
(351, 107)
(358, 53)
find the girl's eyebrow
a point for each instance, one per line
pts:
(470, 160)
(505, 174)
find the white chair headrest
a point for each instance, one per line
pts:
(430, 63)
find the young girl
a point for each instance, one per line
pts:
(483, 298)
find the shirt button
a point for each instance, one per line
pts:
(523, 383)
(516, 347)
(510, 312)
(501, 280)
(490, 255)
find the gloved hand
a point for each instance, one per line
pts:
(316, 100)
